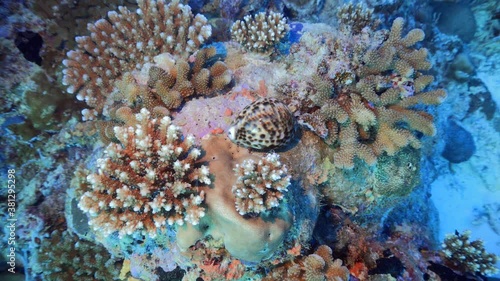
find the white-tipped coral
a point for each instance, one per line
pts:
(468, 256)
(149, 180)
(260, 33)
(125, 41)
(260, 186)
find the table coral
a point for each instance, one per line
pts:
(127, 40)
(148, 180)
(260, 185)
(260, 32)
(468, 256)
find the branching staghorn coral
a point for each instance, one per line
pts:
(147, 181)
(261, 32)
(124, 42)
(259, 186)
(317, 266)
(63, 256)
(468, 256)
(362, 101)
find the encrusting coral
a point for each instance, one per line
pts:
(260, 32)
(468, 256)
(318, 266)
(362, 101)
(147, 181)
(124, 42)
(63, 256)
(259, 186)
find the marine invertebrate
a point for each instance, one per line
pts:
(147, 181)
(355, 16)
(205, 76)
(468, 256)
(365, 102)
(223, 223)
(164, 85)
(264, 124)
(127, 40)
(260, 32)
(259, 186)
(63, 256)
(317, 266)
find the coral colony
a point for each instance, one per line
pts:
(287, 151)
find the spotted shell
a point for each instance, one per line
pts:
(264, 124)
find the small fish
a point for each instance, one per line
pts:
(264, 124)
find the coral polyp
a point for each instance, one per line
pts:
(260, 186)
(146, 182)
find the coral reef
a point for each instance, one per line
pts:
(125, 42)
(12, 64)
(212, 263)
(147, 181)
(223, 222)
(63, 256)
(468, 256)
(317, 266)
(66, 19)
(260, 186)
(363, 101)
(264, 124)
(260, 32)
(162, 87)
(187, 180)
(356, 17)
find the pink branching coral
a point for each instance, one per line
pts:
(260, 186)
(124, 42)
(148, 180)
